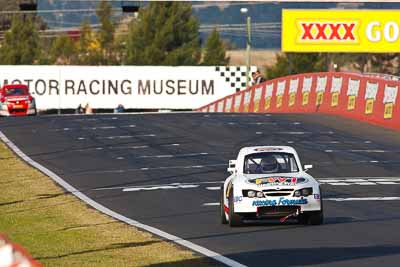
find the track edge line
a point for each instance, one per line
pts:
(69, 188)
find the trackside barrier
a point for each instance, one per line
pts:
(371, 99)
(13, 255)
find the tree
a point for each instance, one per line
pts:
(62, 50)
(89, 48)
(106, 31)
(166, 33)
(21, 45)
(358, 61)
(215, 51)
(295, 63)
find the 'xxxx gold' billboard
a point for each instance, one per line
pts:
(341, 30)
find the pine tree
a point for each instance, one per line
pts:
(106, 32)
(166, 33)
(21, 45)
(215, 51)
(62, 50)
(89, 48)
(295, 63)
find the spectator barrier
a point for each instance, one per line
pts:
(365, 98)
(13, 255)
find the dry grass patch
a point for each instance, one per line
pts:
(59, 230)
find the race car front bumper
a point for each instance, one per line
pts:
(277, 205)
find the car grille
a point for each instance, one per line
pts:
(277, 192)
(276, 211)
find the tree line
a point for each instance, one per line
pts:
(164, 33)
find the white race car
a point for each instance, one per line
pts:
(268, 182)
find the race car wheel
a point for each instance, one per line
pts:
(222, 209)
(316, 218)
(234, 219)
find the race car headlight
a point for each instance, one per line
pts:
(251, 193)
(305, 192)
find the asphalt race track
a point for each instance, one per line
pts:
(165, 170)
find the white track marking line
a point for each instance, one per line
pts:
(156, 168)
(212, 188)
(363, 199)
(365, 183)
(128, 147)
(362, 151)
(69, 188)
(166, 187)
(339, 183)
(157, 185)
(175, 155)
(211, 204)
(125, 136)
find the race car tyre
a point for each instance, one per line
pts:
(234, 219)
(302, 218)
(222, 209)
(316, 218)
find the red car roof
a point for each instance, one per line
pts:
(11, 86)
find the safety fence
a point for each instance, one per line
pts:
(13, 255)
(365, 98)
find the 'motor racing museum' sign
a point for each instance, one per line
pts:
(134, 87)
(341, 30)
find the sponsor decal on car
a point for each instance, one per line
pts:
(280, 202)
(267, 149)
(237, 199)
(317, 196)
(270, 181)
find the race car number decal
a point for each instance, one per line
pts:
(281, 202)
(267, 149)
(238, 199)
(277, 181)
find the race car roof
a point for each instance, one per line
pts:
(256, 149)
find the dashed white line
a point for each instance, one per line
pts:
(362, 150)
(213, 188)
(175, 155)
(159, 185)
(211, 204)
(165, 187)
(363, 199)
(125, 136)
(155, 168)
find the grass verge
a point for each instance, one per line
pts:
(59, 230)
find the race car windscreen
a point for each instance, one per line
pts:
(16, 92)
(270, 162)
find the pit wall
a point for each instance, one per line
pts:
(369, 99)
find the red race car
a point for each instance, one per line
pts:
(15, 100)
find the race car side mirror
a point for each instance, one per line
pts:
(307, 167)
(232, 166)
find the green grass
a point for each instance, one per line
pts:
(59, 230)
